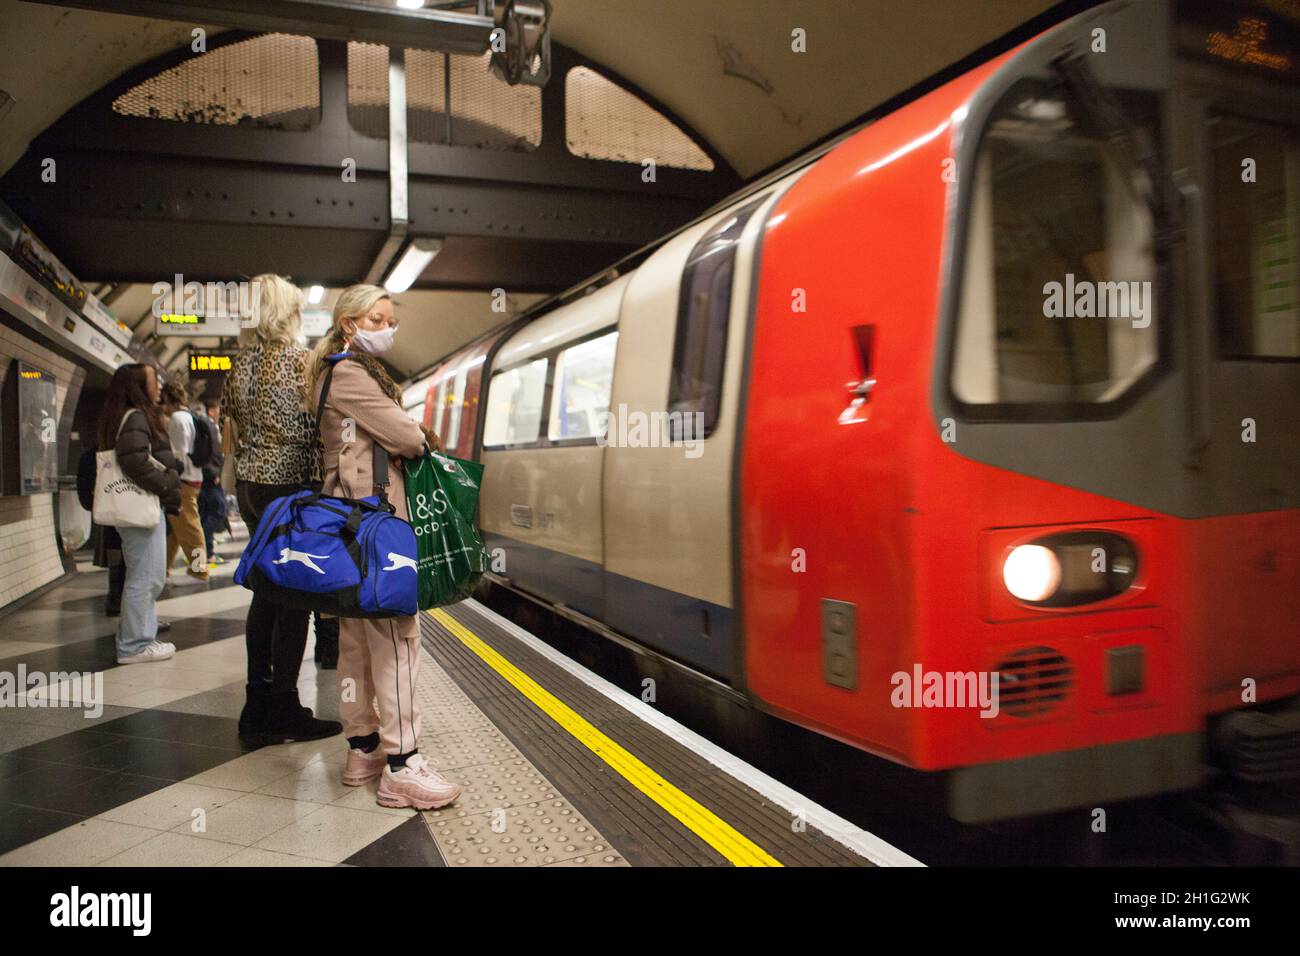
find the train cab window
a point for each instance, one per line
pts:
(584, 374)
(1057, 314)
(514, 406)
(1256, 237)
(703, 314)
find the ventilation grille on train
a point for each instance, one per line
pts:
(1033, 681)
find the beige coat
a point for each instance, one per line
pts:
(355, 396)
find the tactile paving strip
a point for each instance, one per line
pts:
(643, 831)
(509, 814)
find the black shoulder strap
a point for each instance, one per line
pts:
(379, 466)
(324, 393)
(380, 471)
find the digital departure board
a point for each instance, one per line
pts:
(210, 364)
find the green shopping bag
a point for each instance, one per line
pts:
(441, 495)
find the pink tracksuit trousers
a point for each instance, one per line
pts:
(379, 662)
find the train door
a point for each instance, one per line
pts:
(1236, 112)
(672, 433)
(547, 395)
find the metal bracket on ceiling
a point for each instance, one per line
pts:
(521, 42)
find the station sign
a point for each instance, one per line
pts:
(316, 323)
(201, 309)
(37, 305)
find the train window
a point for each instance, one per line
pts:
(1057, 310)
(457, 400)
(703, 314)
(514, 407)
(584, 374)
(1256, 235)
(440, 403)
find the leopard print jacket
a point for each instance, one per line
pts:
(264, 398)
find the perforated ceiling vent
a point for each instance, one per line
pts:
(269, 81)
(486, 112)
(604, 121)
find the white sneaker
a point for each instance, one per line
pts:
(157, 651)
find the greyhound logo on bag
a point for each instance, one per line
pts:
(302, 557)
(399, 561)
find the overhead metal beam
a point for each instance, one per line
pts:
(399, 195)
(327, 19)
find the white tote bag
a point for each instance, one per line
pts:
(119, 501)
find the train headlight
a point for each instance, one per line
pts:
(1031, 572)
(1071, 568)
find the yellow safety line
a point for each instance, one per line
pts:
(701, 821)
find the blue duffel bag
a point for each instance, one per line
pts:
(350, 557)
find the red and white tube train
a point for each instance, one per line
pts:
(1004, 381)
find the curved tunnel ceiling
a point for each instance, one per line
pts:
(724, 66)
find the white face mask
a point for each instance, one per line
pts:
(376, 343)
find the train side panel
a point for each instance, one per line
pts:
(668, 502)
(541, 504)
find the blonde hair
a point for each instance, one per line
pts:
(279, 310)
(354, 302)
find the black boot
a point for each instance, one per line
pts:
(288, 720)
(327, 642)
(253, 717)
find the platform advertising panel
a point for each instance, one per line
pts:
(30, 434)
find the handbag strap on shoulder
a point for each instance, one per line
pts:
(125, 416)
(379, 466)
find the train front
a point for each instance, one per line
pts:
(1118, 391)
(1051, 528)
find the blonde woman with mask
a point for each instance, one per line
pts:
(380, 658)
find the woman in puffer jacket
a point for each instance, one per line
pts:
(131, 423)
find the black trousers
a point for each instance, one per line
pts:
(116, 581)
(276, 636)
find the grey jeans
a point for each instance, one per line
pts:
(144, 550)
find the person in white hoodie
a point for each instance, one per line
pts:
(184, 530)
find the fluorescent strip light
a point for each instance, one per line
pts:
(315, 294)
(413, 261)
(410, 4)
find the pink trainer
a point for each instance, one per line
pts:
(363, 767)
(416, 785)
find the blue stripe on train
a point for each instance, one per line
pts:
(695, 632)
